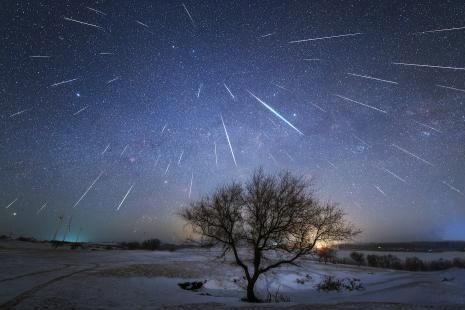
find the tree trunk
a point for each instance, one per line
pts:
(250, 291)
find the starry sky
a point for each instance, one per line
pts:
(116, 114)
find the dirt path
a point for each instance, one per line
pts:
(35, 273)
(25, 295)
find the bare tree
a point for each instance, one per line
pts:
(267, 222)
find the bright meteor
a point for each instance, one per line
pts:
(275, 113)
(229, 141)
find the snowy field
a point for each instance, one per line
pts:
(34, 276)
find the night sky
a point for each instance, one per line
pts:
(115, 114)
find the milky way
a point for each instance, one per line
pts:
(115, 114)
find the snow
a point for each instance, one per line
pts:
(34, 276)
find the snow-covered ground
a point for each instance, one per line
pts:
(34, 276)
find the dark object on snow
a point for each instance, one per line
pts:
(447, 279)
(191, 286)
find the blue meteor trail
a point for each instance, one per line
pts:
(275, 113)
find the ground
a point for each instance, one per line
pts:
(34, 276)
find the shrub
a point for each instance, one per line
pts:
(353, 284)
(358, 257)
(372, 260)
(151, 244)
(329, 283)
(384, 261)
(343, 260)
(440, 264)
(414, 264)
(276, 297)
(304, 279)
(459, 262)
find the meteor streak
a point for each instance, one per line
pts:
(372, 78)
(190, 187)
(142, 24)
(84, 108)
(41, 208)
(18, 113)
(64, 82)
(288, 155)
(125, 196)
(87, 190)
(452, 88)
(318, 107)
(216, 155)
(105, 150)
(113, 80)
(39, 56)
(441, 30)
(95, 10)
(380, 190)
(455, 189)
(280, 86)
(189, 14)
(124, 150)
(413, 155)
(331, 164)
(272, 157)
(198, 91)
(329, 37)
(394, 175)
(180, 158)
(361, 140)
(427, 126)
(427, 66)
(168, 167)
(11, 203)
(267, 35)
(229, 142)
(275, 113)
(229, 91)
(81, 22)
(362, 104)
